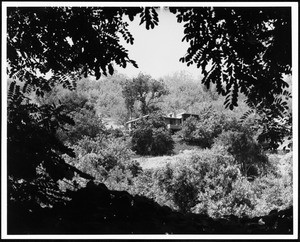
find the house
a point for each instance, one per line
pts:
(130, 123)
(173, 121)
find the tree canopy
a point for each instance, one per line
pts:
(62, 40)
(144, 90)
(248, 49)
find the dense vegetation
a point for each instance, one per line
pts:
(150, 136)
(227, 171)
(58, 141)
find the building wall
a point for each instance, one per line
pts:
(173, 123)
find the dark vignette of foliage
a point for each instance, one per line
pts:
(34, 153)
(248, 50)
(67, 42)
(64, 39)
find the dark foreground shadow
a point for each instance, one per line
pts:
(97, 210)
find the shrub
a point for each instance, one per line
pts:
(275, 190)
(80, 108)
(195, 132)
(226, 194)
(272, 193)
(86, 124)
(209, 182)
(151, 137)
(210, 125)
(184, 193)
(218, 182)
(142, 139)
(162, 142)
(143, 184)
(178, 187)
(99, 156)
(181, 183)
(188, 129)
(246, 151)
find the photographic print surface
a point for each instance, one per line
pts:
(159, 121)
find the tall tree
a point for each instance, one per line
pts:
(146, 91)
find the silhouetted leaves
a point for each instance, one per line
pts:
(245, 46)
(64, 39)
(274, 119)
(243, 50)
(65, 42)
(34, 153)
(150, 17)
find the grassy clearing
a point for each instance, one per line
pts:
(151, 162)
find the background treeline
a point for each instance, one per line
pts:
(180, 92)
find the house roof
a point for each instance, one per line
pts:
(171, 117)
(178, 116)
(136, 119)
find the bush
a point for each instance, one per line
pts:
(178, 187)
(182, 183)
(195, 132)
(188, 129)
(275, 190)
(210, 182)
(151, 137)
(247, 152)
(162, 142)
(143, 184)
(86, 124)
(103, 156)
(227, 193)
(142, 139)
(204, 130)
(80, 108)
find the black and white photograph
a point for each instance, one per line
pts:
(167, 120)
